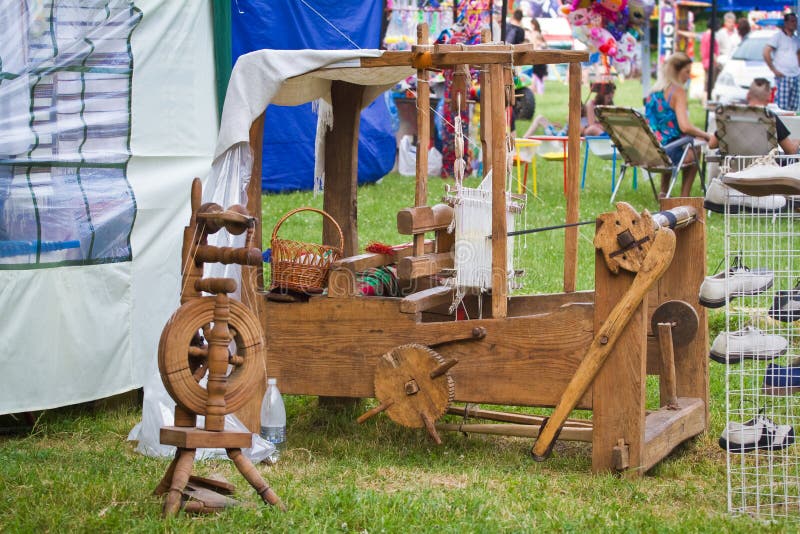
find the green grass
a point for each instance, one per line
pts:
(76, 471)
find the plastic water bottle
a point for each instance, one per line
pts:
(273, 419)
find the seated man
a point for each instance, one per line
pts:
(758, 95)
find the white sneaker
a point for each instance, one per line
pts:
(749, 342)
(758, 433)
(718, 194)
(740, 281)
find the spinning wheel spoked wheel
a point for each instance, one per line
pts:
(183, 355)
(413, 386)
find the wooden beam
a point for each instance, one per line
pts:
(550, 57)
(618, 412)
(499, 228)
(426, 265)
(341, 166)
(572, 185)
(253, 276)
(484, 55)
(485, 115)
(666, 429)
(680, 282)
(197, 438)
(518, 430)
(427, 299)
(423, 137)
(411, 221)
(353, 335)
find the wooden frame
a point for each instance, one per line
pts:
(329, 345)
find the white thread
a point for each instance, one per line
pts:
(332, 25)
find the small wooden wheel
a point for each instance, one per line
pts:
(413, 387)
(182, 365)
(681, 316)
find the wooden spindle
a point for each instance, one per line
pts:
(670, 399)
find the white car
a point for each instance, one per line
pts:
(746, 64)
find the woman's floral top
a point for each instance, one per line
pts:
(661, 117)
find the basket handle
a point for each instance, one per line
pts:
(315, 210)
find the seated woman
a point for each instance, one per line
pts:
(666, 109)
(604, 96)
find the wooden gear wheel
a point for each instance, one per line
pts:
(182, 355)
(413, 387)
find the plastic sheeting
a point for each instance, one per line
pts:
(289, 133)
(119, 116)
(65, 122)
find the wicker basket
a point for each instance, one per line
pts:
(299, 266)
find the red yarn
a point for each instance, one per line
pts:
(379, 248)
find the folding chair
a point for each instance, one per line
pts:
(745, 131)
(638, 146)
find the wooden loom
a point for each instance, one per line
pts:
(530, 350)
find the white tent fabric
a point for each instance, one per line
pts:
(124, 89)
(80, 329)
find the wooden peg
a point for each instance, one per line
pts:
(621, 456)
(430, 427)
(374, 411)
(442, 368)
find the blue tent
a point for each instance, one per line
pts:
(289, 132)
(763, 5)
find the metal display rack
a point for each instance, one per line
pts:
(763, 482)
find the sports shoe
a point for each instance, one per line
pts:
(717, 194)
(749, 342)
(786, 305)
(741, 281)
(758, 433)
(779, 380)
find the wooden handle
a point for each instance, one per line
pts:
(653, 267)
(216, 285)
(228, 255)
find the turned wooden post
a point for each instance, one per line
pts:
(485, 103)
(572, 185)
(423, 137)
(499, 227)
(218, 341)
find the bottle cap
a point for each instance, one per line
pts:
(272, 381)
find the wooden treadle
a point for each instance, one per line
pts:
(665, 429)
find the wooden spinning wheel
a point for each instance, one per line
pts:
(183, 355)
(196, 343)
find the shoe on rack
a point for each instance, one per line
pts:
(740, 280)
(759, 433)
(766, 179)
(786, 305)
(780, 380)
(717, 194)
(749, 342)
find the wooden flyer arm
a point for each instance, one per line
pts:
(653, 267)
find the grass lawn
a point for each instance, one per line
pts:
(76, 472)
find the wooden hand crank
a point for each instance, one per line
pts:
(655, 263)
